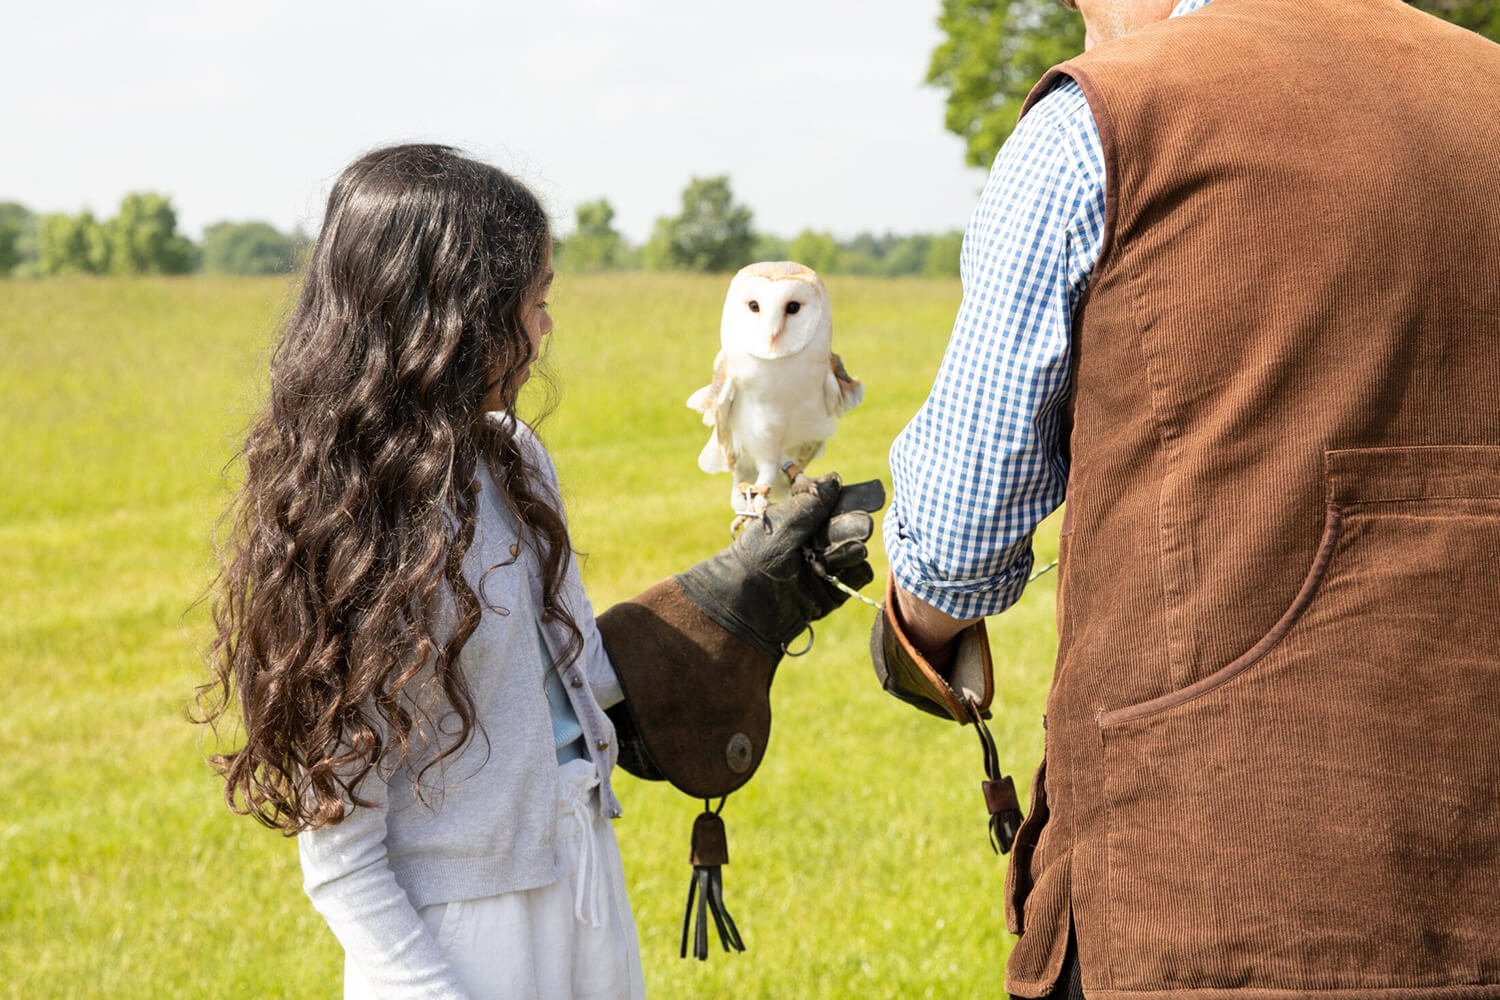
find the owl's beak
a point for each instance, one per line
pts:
(776, 332)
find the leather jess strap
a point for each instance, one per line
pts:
(963, 696)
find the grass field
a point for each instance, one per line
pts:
(860, 863)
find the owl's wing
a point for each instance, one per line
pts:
(807, 451)
(841, 391)
(705, 399)
(717, 401)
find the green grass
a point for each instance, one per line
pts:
(860, 865)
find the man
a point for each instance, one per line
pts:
(1234, 288)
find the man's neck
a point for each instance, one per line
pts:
(1106, 20)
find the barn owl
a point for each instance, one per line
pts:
(778, 389)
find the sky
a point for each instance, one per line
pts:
(816, 109)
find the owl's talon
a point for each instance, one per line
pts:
(740, 499)
(750, 500)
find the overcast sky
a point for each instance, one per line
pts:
(816, 109)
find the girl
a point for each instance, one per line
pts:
(401, 606)
(400, 622)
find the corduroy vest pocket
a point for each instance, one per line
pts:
(1324, 811)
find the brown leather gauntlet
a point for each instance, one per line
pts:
(697, 709)
(905, 673)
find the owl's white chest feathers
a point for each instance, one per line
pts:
(779, 403)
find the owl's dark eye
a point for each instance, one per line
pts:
(792, 308)
(754, 306)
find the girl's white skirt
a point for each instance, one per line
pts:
(571, 940)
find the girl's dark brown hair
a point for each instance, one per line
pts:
(340, 607)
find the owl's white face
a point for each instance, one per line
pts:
(774, 310)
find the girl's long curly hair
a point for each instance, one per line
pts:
(340, 607)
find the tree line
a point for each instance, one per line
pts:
(141, 238)
(713, 233)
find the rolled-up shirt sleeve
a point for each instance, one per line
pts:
(983, 461)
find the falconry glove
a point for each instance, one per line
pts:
(696, 654)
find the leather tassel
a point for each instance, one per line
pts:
(710, 855)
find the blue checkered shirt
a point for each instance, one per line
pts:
(982, 462)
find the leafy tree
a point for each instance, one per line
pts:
(869, 254)
(767, 246)
(656, 254)
(942, 254)
(819, 251)
(17, 236)
(711, 234)
(594, 245)
(909, 256)
(1482, 16)
(302, 247)
(859, 262)
(247, 248)
(869, 245)
(71, 244)
(631, 257)
(992, 53)
(143, 238)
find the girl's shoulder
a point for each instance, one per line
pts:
(535, 453)
(526, 439)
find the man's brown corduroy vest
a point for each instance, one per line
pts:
(1273, 736)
